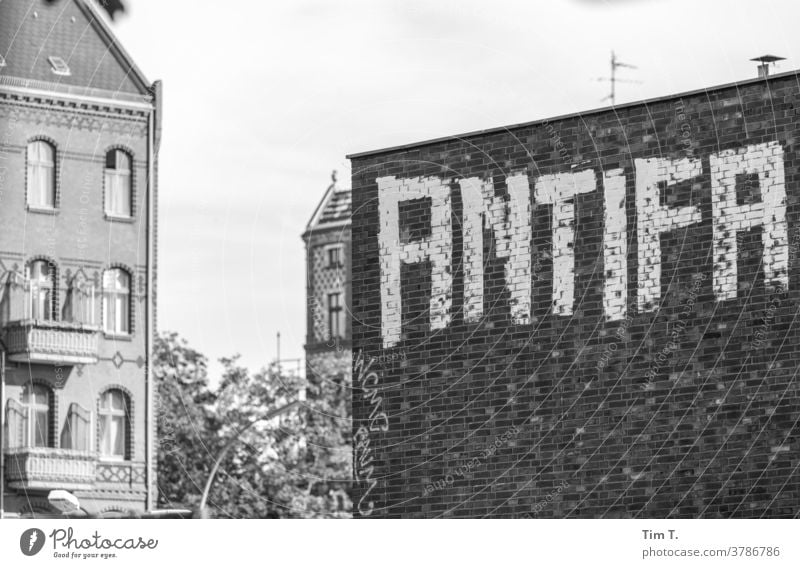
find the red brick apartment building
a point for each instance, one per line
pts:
(594, 315)
(79, 133)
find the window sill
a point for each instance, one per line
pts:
(42, 210)
(118, 218)
(112, 459)
(118, 336)
(50, 451)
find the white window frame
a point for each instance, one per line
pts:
(32, 408)
(38, 290)
(48, 165)
(120, 296)
(110, 413)
(124, 179)
(58, 66)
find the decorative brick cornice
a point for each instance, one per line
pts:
(85, 98)
(74, 116)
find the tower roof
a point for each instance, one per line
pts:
(337, 208)
(333, 210)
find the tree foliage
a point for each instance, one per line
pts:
(184, 414)
(294, 465)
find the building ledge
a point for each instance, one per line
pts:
(42, 210)
(51, 342)
(49, 468)
(74, 90)
(324, 347)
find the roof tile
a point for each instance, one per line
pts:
(33, 31)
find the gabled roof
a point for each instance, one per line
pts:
(333, 209)
(34, 33)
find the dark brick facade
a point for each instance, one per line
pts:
(686, 405)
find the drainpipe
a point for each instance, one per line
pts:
(2, 429)
(150, 429)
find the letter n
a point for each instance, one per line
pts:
(510, 221)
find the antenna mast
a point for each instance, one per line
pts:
(615, 64)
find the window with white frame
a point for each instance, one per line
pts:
(41, 175)
(36, 400)
(118, 184)
(113, 422)
(58, 66)
(41, 290)
(116, 301)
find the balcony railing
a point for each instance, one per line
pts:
(123, 473)
(50, 468)
(51, 342)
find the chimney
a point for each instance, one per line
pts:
(765, 61)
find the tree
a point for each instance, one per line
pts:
(297, 465)
(294, 465)
(186, 442)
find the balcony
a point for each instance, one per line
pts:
(51, 342)
(50, 468)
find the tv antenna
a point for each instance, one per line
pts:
(615, 64)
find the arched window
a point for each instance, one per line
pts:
(36, 399)
(113, 422)
(41, 175)
(118, 184)
(116, 301)
(42, 290)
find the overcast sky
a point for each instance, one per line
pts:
(264, 99)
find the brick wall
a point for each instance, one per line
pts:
(584, 317)
(79, 239)
(324, 353)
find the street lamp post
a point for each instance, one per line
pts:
(202, 509)
(65, 502)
